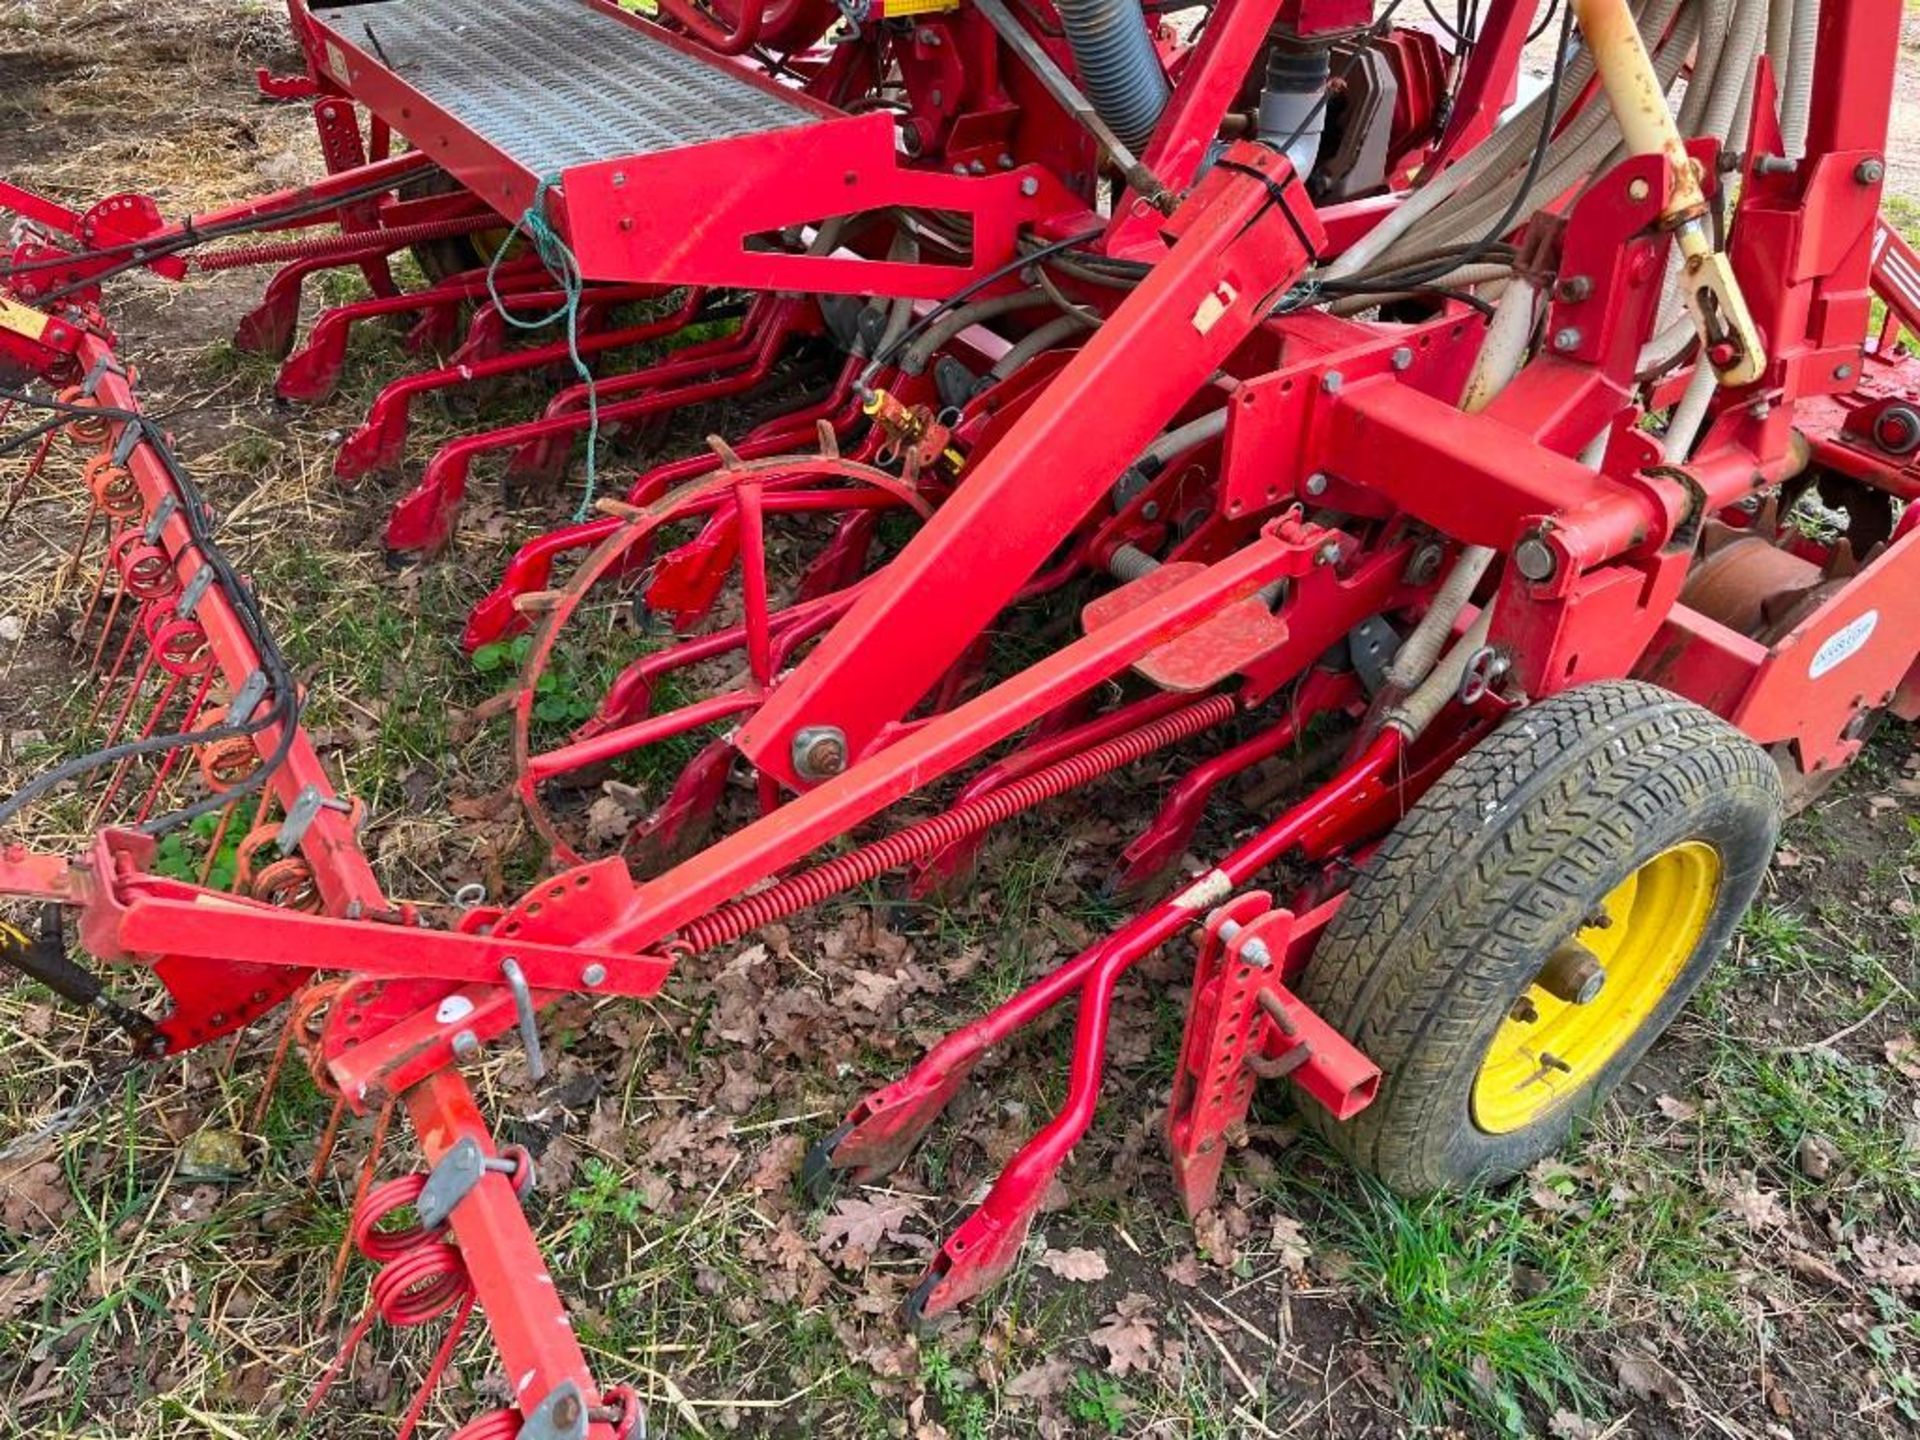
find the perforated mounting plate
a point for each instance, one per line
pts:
(556, 83)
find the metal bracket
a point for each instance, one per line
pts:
(300, 816)
(162, 513)
(453, 1179)
(247, 698)
(194, 591)
(561, 1416)
(128, 442)
(104, 366)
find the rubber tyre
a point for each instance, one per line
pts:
(1448, 922)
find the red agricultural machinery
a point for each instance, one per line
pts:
(1526, 466)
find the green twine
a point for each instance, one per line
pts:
(564, 267)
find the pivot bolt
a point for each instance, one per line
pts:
(819, 752)
(1869, 172)
(1534, 558)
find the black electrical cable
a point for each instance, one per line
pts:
(283, 703)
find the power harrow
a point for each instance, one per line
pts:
(1526, 466)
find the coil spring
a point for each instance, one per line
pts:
(322, 246)
(750, 912)
(224, 763)
(85, 430)
(112, 486)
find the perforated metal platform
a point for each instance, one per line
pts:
(555, 83)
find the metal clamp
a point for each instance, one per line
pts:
(128, 442)
(247, 698)
(162, 513)
(104, 366)
(454, 1178)
(301, 814)
(194, 591)
(561, 1416)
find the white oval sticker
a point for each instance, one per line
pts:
(1843, 644)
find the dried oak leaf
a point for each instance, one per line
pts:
(1903, 1053)
(1128, 1336)
(34, 1198)
(1647, 1378)
(1042, 1382)
(857, 1224)
(1077, 1264)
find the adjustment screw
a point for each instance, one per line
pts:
(819, 751)
(1317, 483)
(1402, 357)
(1869, 172)
(1534, 557)
(594, 974)
(1566, 338)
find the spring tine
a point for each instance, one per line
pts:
(152, 723)
(99, 587)
(380, 1123)
(106, 629)
(274, 1066)
(27, 477)
(188, 721)
(328, 1138)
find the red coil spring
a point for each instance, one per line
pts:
(319, 247)
(745, 915)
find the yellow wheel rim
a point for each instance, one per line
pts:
(1548, 1048)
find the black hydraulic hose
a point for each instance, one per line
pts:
(1119, 68)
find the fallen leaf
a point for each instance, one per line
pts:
(857, 1224)
(1647, 1378)
(1290, 1243)
(34, 1197)
(1903, 1053)
(1566, 1425)
(1761, 1209)
(1043, 1381)
(1128, 1336)
(1677, 1109)
(1084, 1266)
(1816, 1156)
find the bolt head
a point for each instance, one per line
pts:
(1843, 372)
(1331, 381)
(1317, 483)
(1574, 288)
(1425, 563)
(819, 751)
(1566, 338)
(1869, 172)
(1638, 190)
(1402, 357)
(1328, 553)
(1534, 557)
(1029, 187)
(465, 1043)
(594, 974)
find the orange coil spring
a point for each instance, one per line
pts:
(749, 913)
(225, 763)
(289, 884)
(87, 430)
(113, 487)
(145, 570)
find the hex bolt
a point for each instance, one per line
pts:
(1317, 483)
(1331, 381)
(1573, 973)
(1150, 510)
(1534, 558)
(1567, 337)
(466, 1043)
(819, 751)
(566, 1413)
(1869, 172)
(1574, 288)
(1401, 358)
(594, 974)
(1759, 409)
(1328, 553)
(1029, 186)
(1254, 952)
(1843, 372)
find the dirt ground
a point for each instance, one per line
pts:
(1732, 1251)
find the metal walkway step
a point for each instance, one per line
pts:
(552, 84)
(672, 165)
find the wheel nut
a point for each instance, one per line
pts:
(1524, 1011)
(1573, 973)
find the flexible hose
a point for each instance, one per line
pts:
(1063, 327)
(1119, 68)
(800, 892)
(951, 324)
(1413, 715)
(1797, 103)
